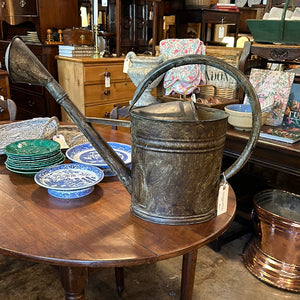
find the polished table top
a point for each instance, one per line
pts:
(94, 231)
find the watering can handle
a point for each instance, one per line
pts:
(241, 79)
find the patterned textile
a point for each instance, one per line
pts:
(178, 79)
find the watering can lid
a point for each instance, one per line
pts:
(176, 110)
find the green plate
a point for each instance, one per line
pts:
(29, 148)
(35, 165)
(31, 171)
(36, 162)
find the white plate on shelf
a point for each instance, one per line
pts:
(86, 154)
(240, 3)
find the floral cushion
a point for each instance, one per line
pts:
(178, 79)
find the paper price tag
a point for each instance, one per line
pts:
(61, 140)
(193, 98)
(126, 65)
(222, 198)
(107, 81)
(104, 2)
(221, 32)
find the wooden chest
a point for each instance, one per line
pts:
(77, 37)
(83, 78)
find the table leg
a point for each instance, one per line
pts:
(119, 274)
(74, 281)
(189, 261)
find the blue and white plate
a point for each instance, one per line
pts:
(86, 154)
(69, 180)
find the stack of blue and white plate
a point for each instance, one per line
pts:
(87, 154)
(30, 156)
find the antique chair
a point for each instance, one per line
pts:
(8, 109)
(119, 111)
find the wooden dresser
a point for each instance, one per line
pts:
(21, 17)
(34, 101)
(83, 78)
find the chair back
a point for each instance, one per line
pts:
(8, 109)
(119, 112)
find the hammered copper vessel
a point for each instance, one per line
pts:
(273, 255)
(177, 147)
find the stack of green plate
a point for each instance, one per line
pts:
(30, 156)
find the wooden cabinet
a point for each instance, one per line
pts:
(269, 53)
(84, 81)
(19, 16)
(205, 17)
(34, 101)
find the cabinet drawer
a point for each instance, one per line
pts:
(19, 8)
(100, 111)
(29, 102)
(94, 94)
(96, 73)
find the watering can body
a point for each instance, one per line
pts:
(177, 148)
(176, 162)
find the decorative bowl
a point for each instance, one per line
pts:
(69, 181)
(240, 116)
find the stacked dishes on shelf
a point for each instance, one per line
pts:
(87, 155)
(30, 156)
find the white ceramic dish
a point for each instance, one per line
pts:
(240, 116)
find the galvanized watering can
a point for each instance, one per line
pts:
(177, 147)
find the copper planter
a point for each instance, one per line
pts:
(273, 255)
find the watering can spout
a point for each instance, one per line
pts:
(24, 67)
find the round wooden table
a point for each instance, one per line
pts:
(94, 231)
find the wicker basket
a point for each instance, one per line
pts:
(197, 3)
(209, 95)
(212, 96)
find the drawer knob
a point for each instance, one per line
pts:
(31, 103)
(3, 4)
(22, 3)
(106, 92)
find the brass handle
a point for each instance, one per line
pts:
(22, 3)
(3, 4)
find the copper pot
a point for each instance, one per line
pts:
(273, 255)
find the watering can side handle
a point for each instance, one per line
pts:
(241, 79)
